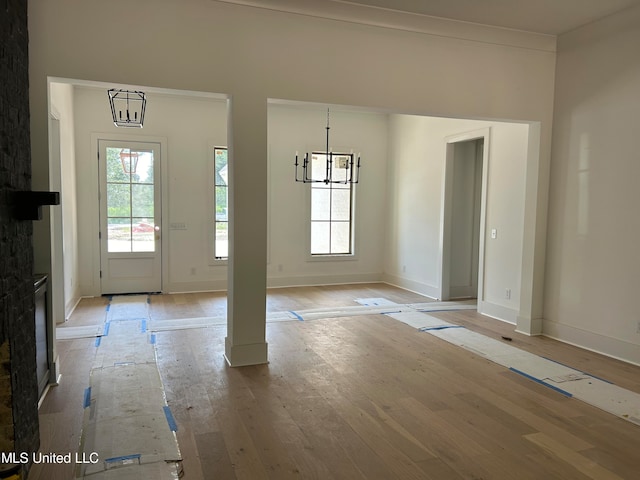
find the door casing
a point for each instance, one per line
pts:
(447, 212)
(129, 282)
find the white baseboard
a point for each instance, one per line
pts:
(71, 306)
(411, 285)
(498, 312)
(315, 280)
(608, 346)
(196, 287)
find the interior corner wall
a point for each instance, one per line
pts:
(417, 153)
(593, 225)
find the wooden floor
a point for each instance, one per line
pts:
(364, 397)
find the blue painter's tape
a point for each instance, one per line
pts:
(143, 326)
(586, 373)
(148, 299)
(153, 339)
(98, 341)
(108, 306)
(541, 382)
(297, 316)
(87, 397)
(441, 327)
(105, 331)
(123, 458)
(170, 420)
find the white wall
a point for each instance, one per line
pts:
(63, 109)
(592, 275)
(416, 178)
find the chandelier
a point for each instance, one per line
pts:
(127, 107)
(337, 168)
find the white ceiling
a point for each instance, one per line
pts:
(551, 17)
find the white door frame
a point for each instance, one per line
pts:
(164, 243)
(446, 213)
(57, 277)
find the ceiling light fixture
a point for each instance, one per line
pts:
(338, 167)
(127, 107)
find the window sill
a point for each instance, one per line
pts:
(218, 262)
(345, 257)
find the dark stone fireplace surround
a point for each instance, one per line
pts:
(19, 429)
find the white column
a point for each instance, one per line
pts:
(245, 343)
(529, 320)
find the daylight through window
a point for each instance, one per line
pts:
(221, 221)
(331, 207)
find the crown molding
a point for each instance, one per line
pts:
(411, 22)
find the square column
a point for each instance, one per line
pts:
(245, 343)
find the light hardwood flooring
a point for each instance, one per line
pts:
(364, 397)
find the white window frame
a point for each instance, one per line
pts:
(213, 259)
(332, 257)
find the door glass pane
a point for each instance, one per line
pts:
(118, 200)
(142, 233)
(118, 166)
(130, 200)
(142, 200)
(119, 235)
(143, 169)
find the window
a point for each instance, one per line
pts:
(331, 207)
(220, 202)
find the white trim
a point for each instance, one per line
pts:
(164, 199)
(211, 212)
(316, 280)
(56, 277)
(611, 347)
(336, 257)
(246, 354)
(410, 22)
(71, 306)
(414, 286)
(499, 312)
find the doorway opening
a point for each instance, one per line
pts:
(463, 216)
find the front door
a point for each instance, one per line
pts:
(130, 217)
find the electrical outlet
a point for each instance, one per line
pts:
(507, 294)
